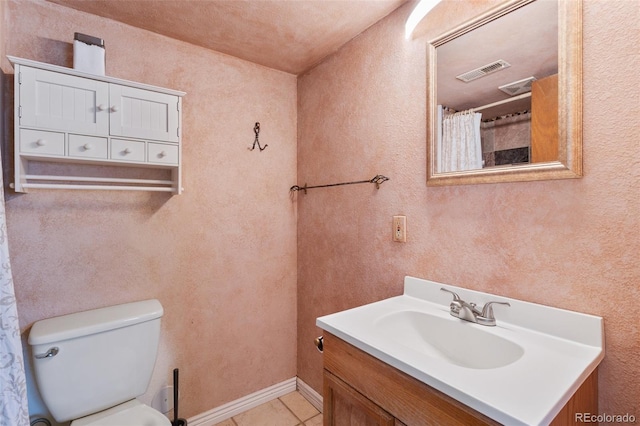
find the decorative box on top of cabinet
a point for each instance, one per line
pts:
(66, 116)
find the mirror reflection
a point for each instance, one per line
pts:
(486, 81)
(495, 87)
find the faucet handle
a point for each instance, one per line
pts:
(456, 298)
(456, 303)
(487, 318)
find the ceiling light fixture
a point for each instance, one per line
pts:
(419, 12)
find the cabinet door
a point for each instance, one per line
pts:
(143, 114)
(544, 119)
(344, 406)
(50, 100)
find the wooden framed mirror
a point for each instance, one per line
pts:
(517, 69)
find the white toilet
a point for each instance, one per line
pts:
(90, 366)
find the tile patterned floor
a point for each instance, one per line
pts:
(291, 409)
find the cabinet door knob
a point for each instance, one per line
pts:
(101, 107)
(127, 151)
(41, 142)
(87, 146)
(115, 108)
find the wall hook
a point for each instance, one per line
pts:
(256, 130)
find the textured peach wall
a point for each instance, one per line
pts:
(572, 244)
(221, 258)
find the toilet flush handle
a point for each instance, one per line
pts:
(50, 353)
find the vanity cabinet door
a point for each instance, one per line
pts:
(344, 406)
(54, 101)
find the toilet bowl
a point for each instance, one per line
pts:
(131, 412)
(91, 366)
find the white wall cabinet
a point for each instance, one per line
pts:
(62, 115)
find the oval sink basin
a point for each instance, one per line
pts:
(458, 342)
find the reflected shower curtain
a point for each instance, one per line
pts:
(459, 146)
(13, 386)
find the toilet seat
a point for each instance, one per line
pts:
(132, 413)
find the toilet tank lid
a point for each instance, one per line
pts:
(94, 321)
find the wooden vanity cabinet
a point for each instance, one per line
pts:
(360, 390)
(349, 371)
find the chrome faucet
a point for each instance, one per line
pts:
(469, 312)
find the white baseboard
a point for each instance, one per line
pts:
(243, 404)
(310, 394)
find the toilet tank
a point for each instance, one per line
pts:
(92, 360)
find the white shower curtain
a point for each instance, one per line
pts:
(13, 386)
(459, 146)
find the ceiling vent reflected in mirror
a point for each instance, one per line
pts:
(518, 87)
(483, 70)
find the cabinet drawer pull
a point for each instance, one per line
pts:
(87, 146)
(41, 142)
(162, 154)
(127, 151)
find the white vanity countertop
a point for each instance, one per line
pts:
(561, 349)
